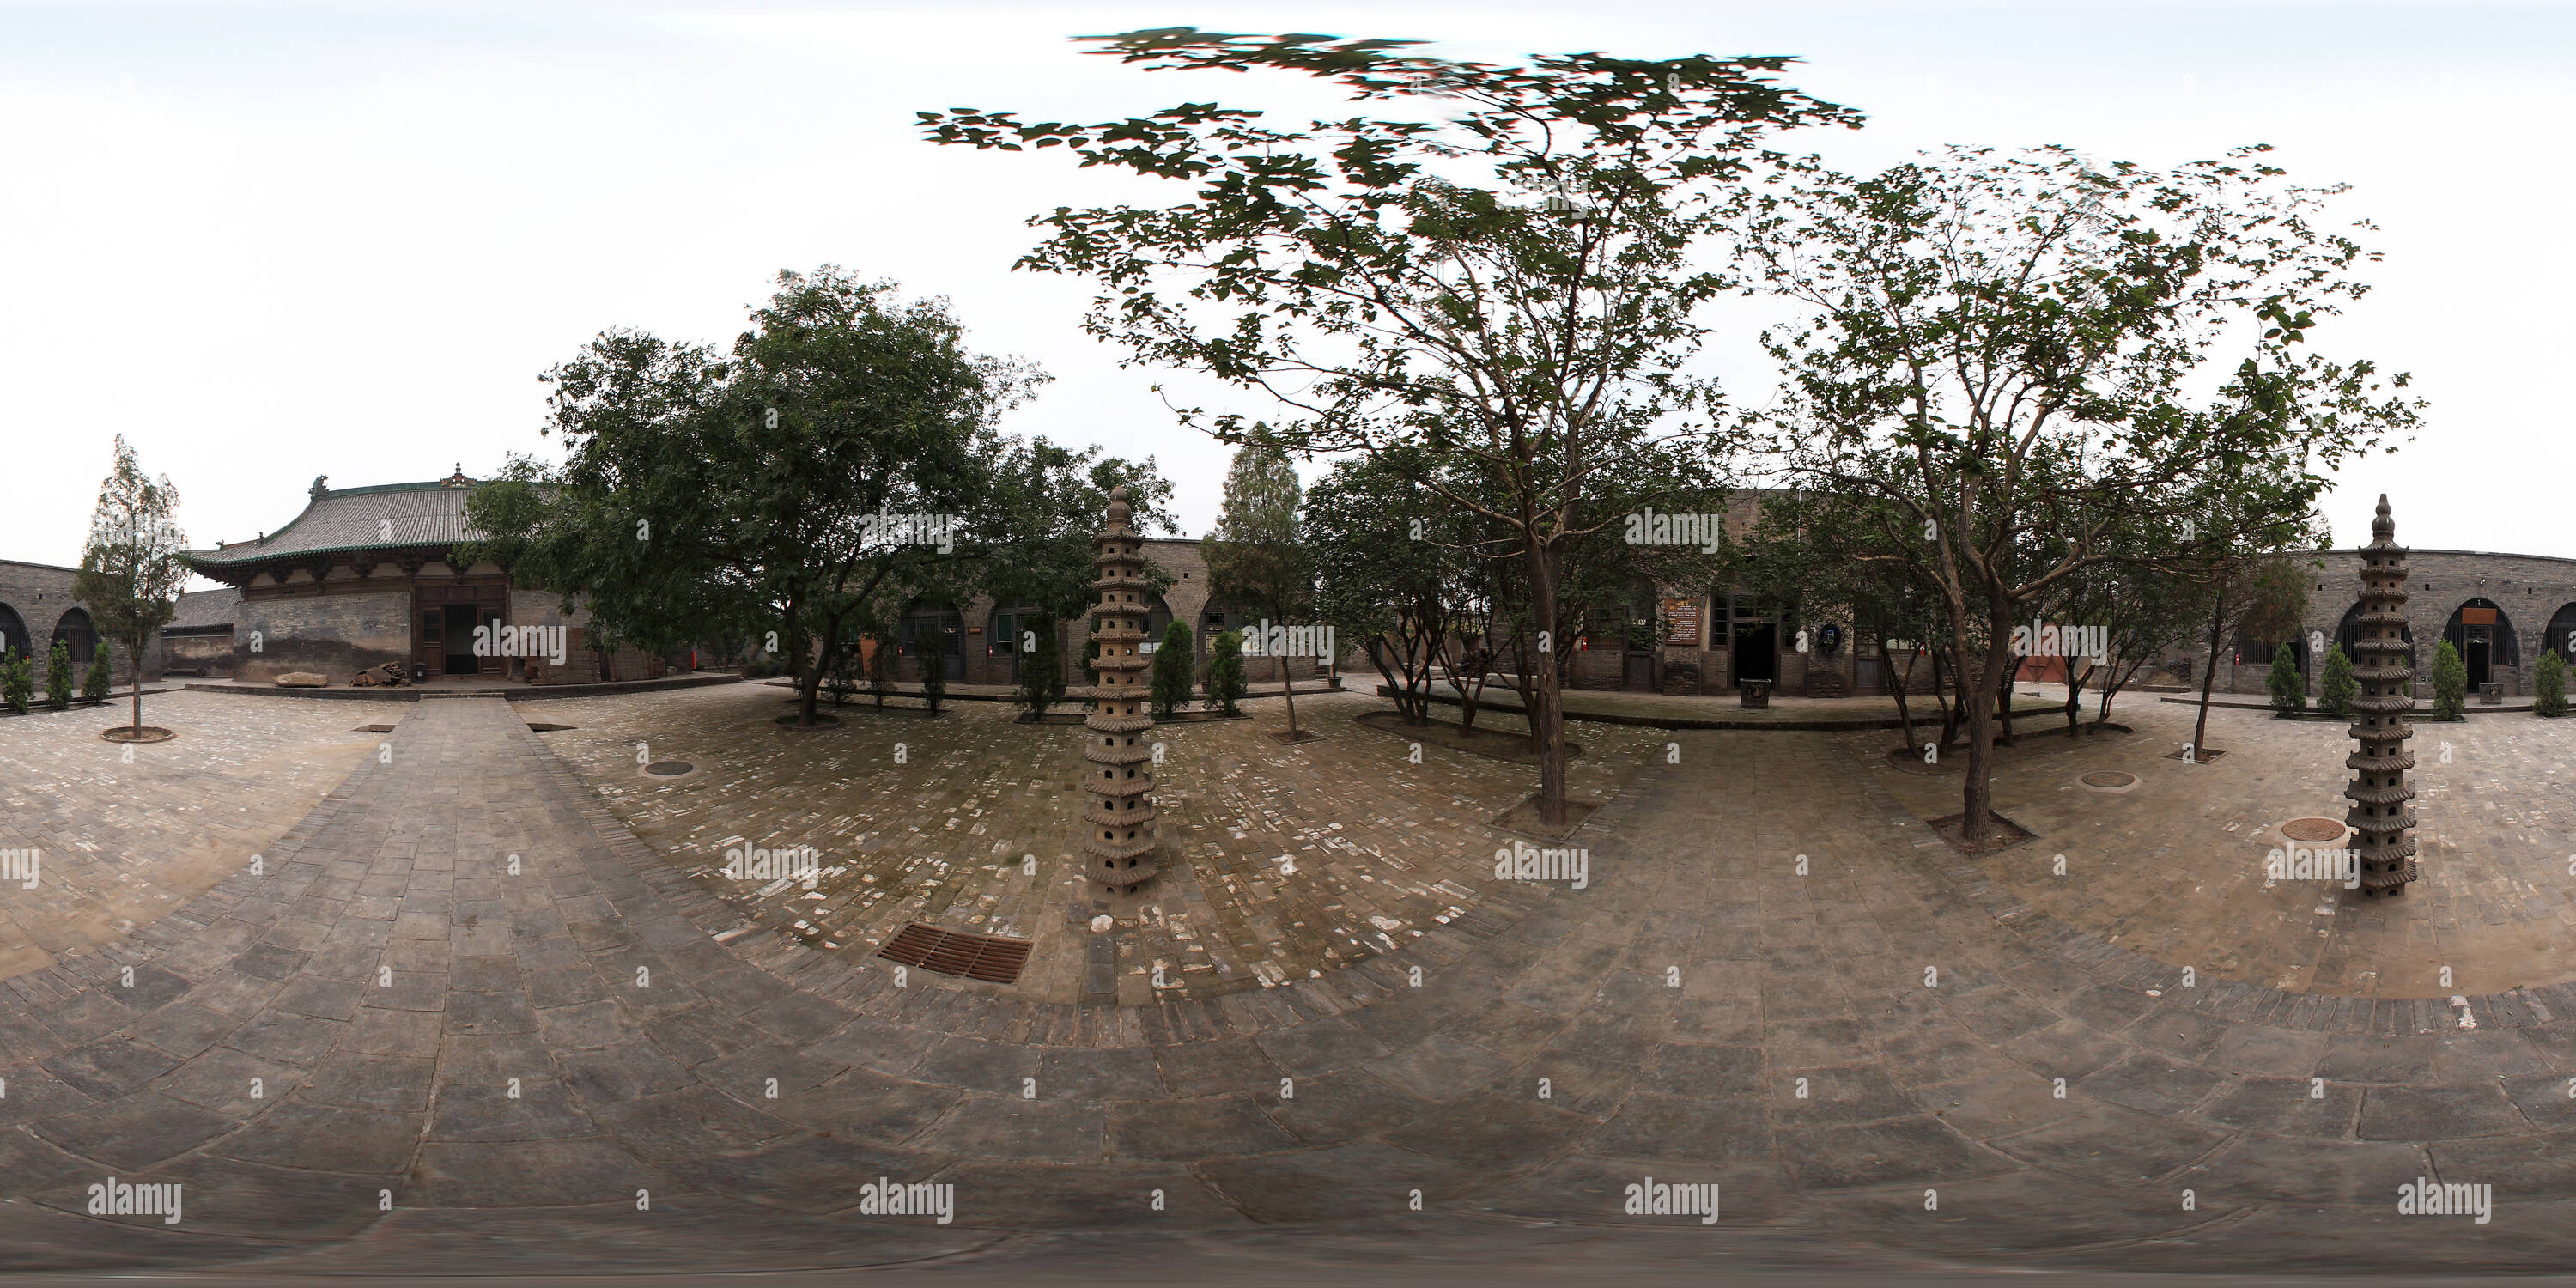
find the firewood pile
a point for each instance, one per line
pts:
(389, 675)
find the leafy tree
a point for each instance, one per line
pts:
(2027, 354)
(1511, 290)
(2450, 683)
(1171, 680)
(2289, 688)
(58, 677)
(772, 491)
(930, 649)
(1091, 661)
(1041, 667)
(2336, 688)
(2549, 686)
(1256, 558)
(1385, 575)
(1225, 685)
(132, 568)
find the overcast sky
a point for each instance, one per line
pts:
(271, 241)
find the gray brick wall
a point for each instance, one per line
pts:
(336, 635)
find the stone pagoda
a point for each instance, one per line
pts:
(2382, 814)
(1118, 847)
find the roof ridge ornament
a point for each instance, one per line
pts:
(458, 478)
(321, 486)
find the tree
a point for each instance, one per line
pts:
(843, 454)
(2336, 688)
(1510, 290)
(1171, 680)
(2255, 594)
(58, 677)
(2450, 683)
(2549, 686)
(1225, 685)
(1385, 575)
(130, 572)
(1256, 558)
(1041, 667)
(2289, 688)
(2026, 354)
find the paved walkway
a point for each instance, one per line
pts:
(463, 1068)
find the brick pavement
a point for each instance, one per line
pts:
(1705, 1011)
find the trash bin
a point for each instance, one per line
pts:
(2491, 693)
(1754, 693)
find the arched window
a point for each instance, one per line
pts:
(2484, 637)
(2349, 634)
(2560, 638)
(13, 631)
(76, 632)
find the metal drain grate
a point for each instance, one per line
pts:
(990, 958)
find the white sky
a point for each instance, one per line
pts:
(270, 241)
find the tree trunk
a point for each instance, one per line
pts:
(2075, 696)
(1977, 796)
(1896, 687)
(1547, 718)
(134, 673)
(2208, 677)
(2004, 699)
(1290, 690)
(1949, 707)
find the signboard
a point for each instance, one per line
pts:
(1683, 614)
(2477, 617)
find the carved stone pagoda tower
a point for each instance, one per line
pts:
(1119, 845)
(2382, 812)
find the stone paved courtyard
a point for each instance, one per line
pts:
(580, 1064)
(123, 843)
(1376, 848)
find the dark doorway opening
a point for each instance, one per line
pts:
(2478, 651)
(458, 628)
(1755, 655)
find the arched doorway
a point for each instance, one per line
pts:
(13, 632)
(947, 626)
(78, 634)
(2484, 637)
(1753, 641)
(2560, 638)
(2349, 634)
(1002, 642)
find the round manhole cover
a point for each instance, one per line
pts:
(2312, 829)
(2109, 778)
(669, 768)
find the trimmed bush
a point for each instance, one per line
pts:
(17, 680)
(2289, 688)
(1171, 672)
(1041, 669)
(58, 677)
(2450, 683)
(100, 679)
(1225, 685)
(2549, 686)
(2337, 689)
